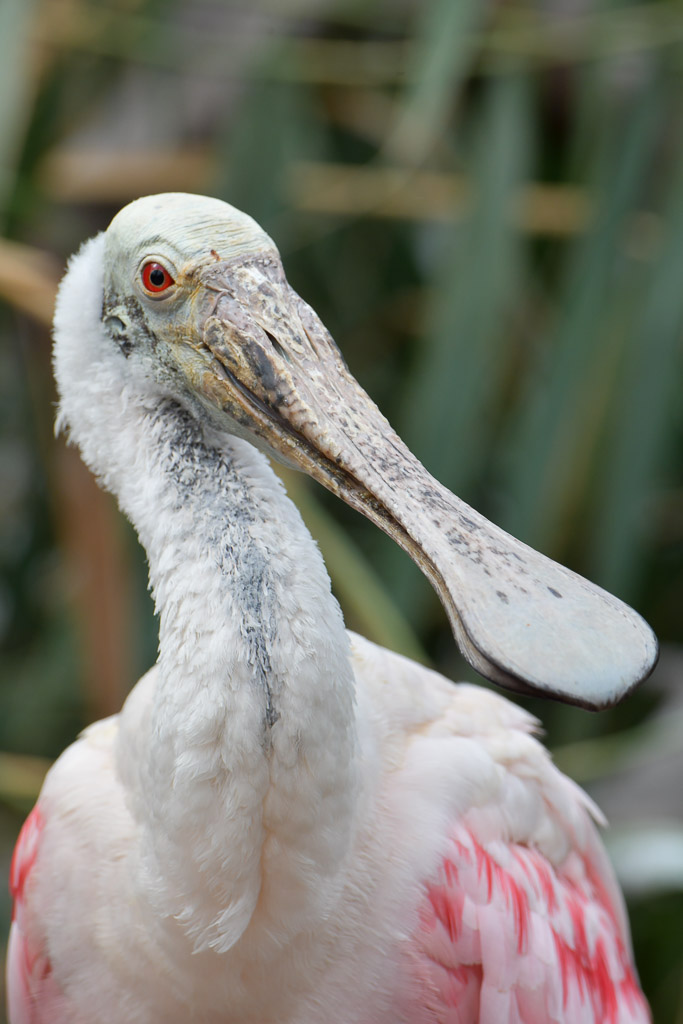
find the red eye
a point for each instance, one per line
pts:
(156, 278)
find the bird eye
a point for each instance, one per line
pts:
(155, 278)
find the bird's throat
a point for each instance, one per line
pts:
(250, 746)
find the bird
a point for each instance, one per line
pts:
(286, 823)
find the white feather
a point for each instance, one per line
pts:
(249, 840)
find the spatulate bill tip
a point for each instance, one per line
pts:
(593, 687)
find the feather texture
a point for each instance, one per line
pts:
(476, 889)
(286, 823)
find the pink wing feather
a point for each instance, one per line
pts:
(33, 996)
(503, 936)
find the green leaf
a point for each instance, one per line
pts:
(16, 89)
(364, 599)
(443, 47)
(554, 438)
(462, 361)
(646, 413)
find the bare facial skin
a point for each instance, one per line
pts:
(229, 337)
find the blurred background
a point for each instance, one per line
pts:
(484, 202)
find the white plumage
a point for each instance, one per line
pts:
(285, 823)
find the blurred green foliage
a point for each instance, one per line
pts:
(484, 202)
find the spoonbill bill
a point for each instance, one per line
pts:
(286, 824)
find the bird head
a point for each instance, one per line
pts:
(185, 297)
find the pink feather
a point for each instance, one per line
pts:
(505, 937)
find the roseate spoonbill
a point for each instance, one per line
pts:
(286, 823)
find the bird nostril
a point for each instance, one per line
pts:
(277, 346)
(114, 324)
(118, 332)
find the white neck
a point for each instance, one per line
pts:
(239, 752)
(243, 769)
